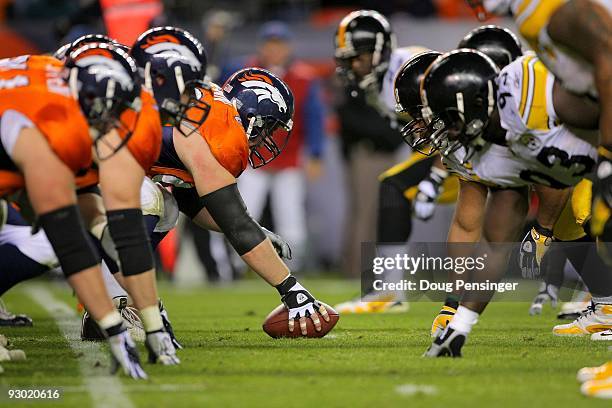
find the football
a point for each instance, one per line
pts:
(276, 324)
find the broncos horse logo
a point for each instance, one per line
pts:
(102, 65)
(263, 88)
(170, 47)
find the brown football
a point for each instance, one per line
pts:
(276, 324)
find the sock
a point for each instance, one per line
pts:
(464, 319)
(151, 319)
(112, 286)
(112, 323)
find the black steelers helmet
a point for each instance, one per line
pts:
(408, 99)
(458, 94)
(359, 32)
(498, 43)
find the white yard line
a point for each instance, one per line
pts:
(105, 390)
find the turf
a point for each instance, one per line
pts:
(511, 359)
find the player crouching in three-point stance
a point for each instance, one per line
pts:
(202, 160)
(481, 121)
(46, 138)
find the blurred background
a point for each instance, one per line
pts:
(309, 194)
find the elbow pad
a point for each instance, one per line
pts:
(71, 243)
(226, 207)
(128, 232)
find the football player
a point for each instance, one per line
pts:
(50, 116)
(113, 209)
(503, 47)
(572, 38)
(495, 139)
(368, 61)
(201, 160)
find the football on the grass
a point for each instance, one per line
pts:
(276, 324)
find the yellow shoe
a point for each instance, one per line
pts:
(597, 318)
(442, 320)
(373, 303)
(595, 373)
(598, 388)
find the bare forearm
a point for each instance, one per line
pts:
(264, 260)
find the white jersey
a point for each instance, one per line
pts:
(532, 17)
(539, 149)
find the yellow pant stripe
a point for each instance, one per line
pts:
(537, 117)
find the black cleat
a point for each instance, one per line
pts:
(447, 344)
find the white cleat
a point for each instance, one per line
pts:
(597, 318)
(605, 335)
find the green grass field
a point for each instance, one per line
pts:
(511, 359)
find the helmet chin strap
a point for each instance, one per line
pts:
(251, 127)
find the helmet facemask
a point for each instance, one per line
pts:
(108, 114)
(267, 137)
(449, 133)
(112, 104)
(181, 104)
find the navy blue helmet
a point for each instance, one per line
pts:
(265, 105)
(104, 80)
(64, 51)
(497, 43)
(172, 64)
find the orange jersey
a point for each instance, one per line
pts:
(223, 133)
(145, 142)
(32, 87)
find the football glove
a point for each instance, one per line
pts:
(280, 245)
(548, 293)
(124, 353)
(168, 326)
(533, 247)
(160, 348)
(301, 304)
(428, 191)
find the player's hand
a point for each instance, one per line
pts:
(429, 190)
(280, 245)
(160, 347)
(124, 354)
(548, 293)
(301, 305)
(533, 247)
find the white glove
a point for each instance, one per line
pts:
(160, 347)
(428, 191)
(125, 354)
